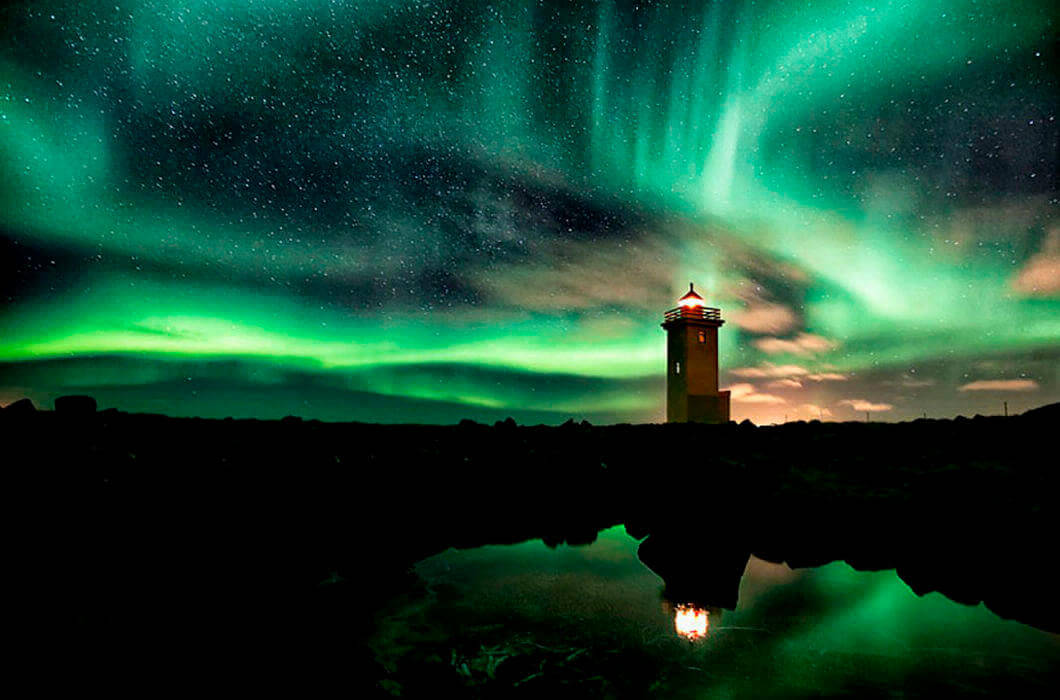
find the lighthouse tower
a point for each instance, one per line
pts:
(692, 394)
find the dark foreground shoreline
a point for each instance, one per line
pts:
(167, 537)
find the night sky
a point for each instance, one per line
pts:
(424, 211)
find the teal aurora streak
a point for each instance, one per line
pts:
(420, 211)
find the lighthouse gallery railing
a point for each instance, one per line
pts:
(700, 313)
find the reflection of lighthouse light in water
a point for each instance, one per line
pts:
(690, 622)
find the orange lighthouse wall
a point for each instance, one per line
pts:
(692, 394)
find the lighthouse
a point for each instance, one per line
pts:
(692, 394)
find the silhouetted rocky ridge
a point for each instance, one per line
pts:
(165, 529)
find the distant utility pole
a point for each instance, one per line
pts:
(1006, 409)
(867, 417)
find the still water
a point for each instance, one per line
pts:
(590, 621)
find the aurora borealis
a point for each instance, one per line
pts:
(423, 211)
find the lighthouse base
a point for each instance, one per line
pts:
(699, 408)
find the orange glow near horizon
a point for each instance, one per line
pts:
(691, 622)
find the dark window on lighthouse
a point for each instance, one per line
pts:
(702, 337)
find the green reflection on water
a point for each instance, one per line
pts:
(591, 617)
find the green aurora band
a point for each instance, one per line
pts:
(490, 207)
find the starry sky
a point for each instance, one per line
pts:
(424, 211)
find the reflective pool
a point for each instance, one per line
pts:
(590, 621)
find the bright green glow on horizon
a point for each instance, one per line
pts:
(746, 137)
(173, 327)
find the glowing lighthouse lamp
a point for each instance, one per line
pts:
(691, 300)
(691, 622)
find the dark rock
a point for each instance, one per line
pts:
(637, 530)
(712, 581)
(508, 423)
(955, 509)
(75, 405)
(1049, 412)
(21, 407)
(467, 423)
(291, 419)
(583, 537)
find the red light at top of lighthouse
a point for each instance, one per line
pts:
(691, 300)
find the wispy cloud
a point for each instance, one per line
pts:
(803, 344)
(785, 384)
(814, 411)
(747, 393)
(1041, 275)
(863, 405)
(579, 275)
(827, 377)
(1001, 385)
(764, 317)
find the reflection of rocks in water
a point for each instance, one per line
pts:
(481, 629)
(762, 577)
(695, 570)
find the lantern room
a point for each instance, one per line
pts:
(691, 299)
